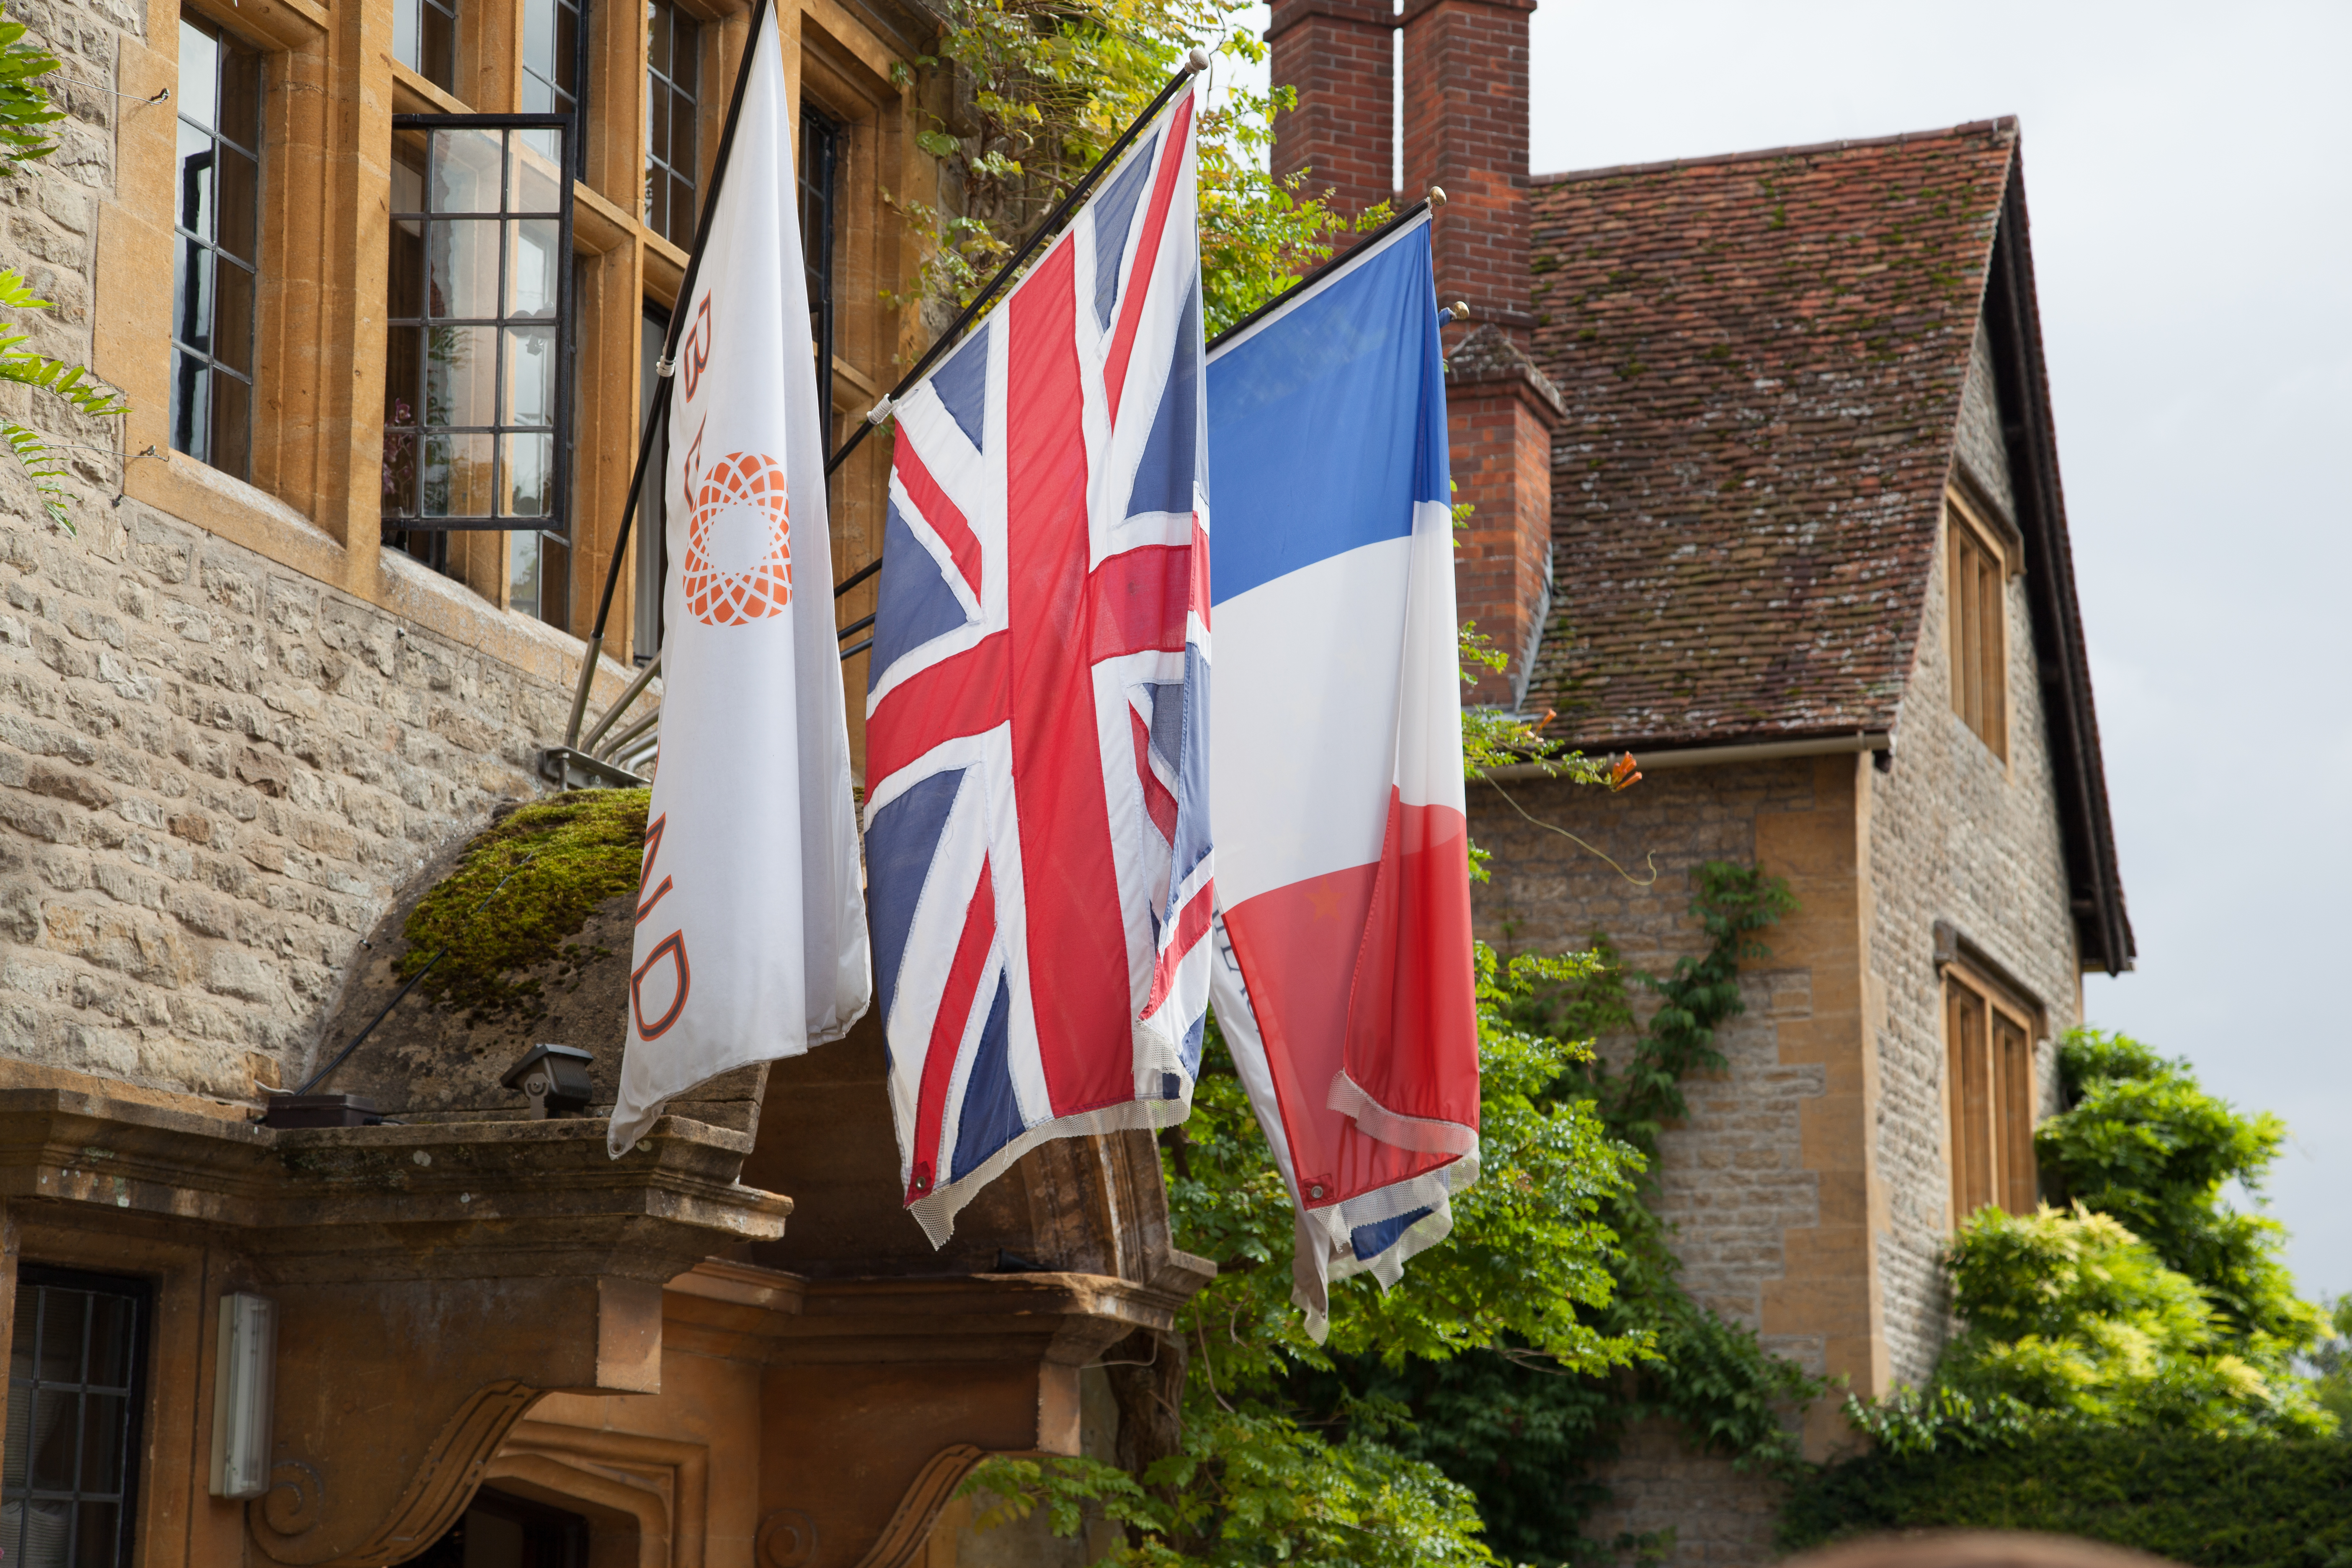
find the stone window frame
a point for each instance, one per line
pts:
(1988, 1140)
(1968, 532)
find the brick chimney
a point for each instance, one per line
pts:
(1465, 130)
(1338, 56)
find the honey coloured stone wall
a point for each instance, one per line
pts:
(1732, 1177)
(213, 774)
(1960, 836)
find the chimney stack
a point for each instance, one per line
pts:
(1338, 56)
(1465, 131)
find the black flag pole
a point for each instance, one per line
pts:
(660, 408)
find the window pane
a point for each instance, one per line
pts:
(240, 97)
(530, 477)
(534, 246)
(466, 170)
(192, 304)
(567, 50)
(240, 202)
(461, 376)
(191, 405)
(64, 1315)
(57, 1437)
(657, 24)
(657, 122)
(112, 1322)
(233, 317)
(199, 75)
(539, 38)
(48, 1531)
(404, 293)
(407, 35)
(440, 47)
(232, 423)
(195, 199)
(408, 155)
(522, 573)
(399, 473)
(462, 268)
(531, 376)
(537, 181)
(457, 479)
(97, 1538)
(101, 1442)
(403, 353)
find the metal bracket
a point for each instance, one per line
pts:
(571, 768)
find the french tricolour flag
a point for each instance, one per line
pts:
(1343, 977)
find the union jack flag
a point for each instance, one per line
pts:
(1036, 741)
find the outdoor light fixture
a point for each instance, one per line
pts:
(245, 1381)
(555, 1078)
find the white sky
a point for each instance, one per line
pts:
(2189, 170)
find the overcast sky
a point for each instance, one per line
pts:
(2189, 171)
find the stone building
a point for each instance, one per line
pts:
(323, 607)
(1769, 495)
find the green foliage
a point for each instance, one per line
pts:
(2151, 1305)
(2073, 1320)
(1261, 1478)
(582, 847)
(1524, 1432)
(2212, 1501)
(2331, 1366)
(24, 107)
(1053, 82)
(2143, 1141)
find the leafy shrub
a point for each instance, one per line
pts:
(2211, 1502)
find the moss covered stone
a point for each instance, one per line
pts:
(582, 847)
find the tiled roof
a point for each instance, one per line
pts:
(1763, 357)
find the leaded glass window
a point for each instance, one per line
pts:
(673, 102)
(69, 1478)
(478, 390)
(216, 220)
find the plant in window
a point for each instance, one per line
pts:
(23, 108)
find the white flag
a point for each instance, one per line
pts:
(750, 937)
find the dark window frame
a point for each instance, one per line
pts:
(140, 1294)
(558, 517)
(201, 364)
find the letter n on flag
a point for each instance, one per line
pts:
(750, 937)
(1344, 980)
(1037, 715)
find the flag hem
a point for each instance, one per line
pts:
(1425, 1134)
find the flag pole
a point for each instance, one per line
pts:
(1194, 64)
(655, 415)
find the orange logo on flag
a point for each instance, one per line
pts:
(739, 546)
